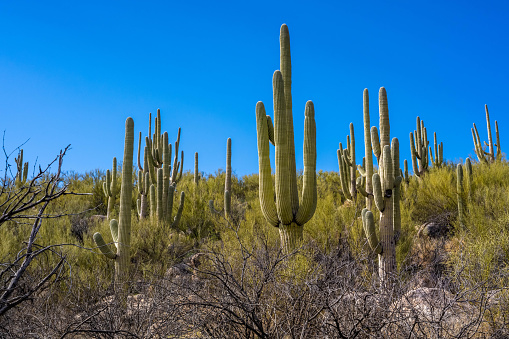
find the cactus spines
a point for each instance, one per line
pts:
(228, 179)
(110, 188)
(482, 155)
(460, 194)
(121, 231)
(285, 212)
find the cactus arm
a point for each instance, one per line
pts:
(368, 223)
(368, 149)
(385, 131)
(176, 221)
(152, 165)
(103, 247)
(360, 188)
(308, 205)
(153, 201)
(270, 130)
(139, 150)
(266, 191)
(377, 192)
(342, 174)
(490, 139)
(388, 173)
(114, 231)
(375, 142)
(169, 208)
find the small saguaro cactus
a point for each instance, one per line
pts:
(405, 173)
(386, 190)
(460, 193)
(469, 174)
(110, 188)
(419, 149)
(285, 212)
(482, 155)
(347, 166)
(196, 173)
(21, 169)
(438, 159)
(121, 230)
(143, 185)
(228, 180)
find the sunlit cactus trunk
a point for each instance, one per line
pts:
(110, 188)
(121, 230)
(285, 211)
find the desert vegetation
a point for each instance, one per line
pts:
(147, 250)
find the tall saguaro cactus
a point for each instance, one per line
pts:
(121, 230)
(228, 180)
(482, 155)
(110, 187)
(286, 212)
(419, 149)
(368, 173)
(386, 192)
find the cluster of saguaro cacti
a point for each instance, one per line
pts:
(110, 188)
(482, 155)
(121, 230)
(386, 191)
(285, 211)
(157, 177)
(21, 169)
(419, 149)
(348, 167)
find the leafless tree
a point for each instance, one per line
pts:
(25, 202)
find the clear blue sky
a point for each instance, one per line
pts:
(72, 72)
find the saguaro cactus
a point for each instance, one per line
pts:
(438, 159)
(143, 184)
(482, 155)
(110, 188)
(196, 173)
(286, 212)
(386, 192)
(121, 230)
(419, 149)
(228, 180)
(347, 166)
(21, 169)
(460, 193)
